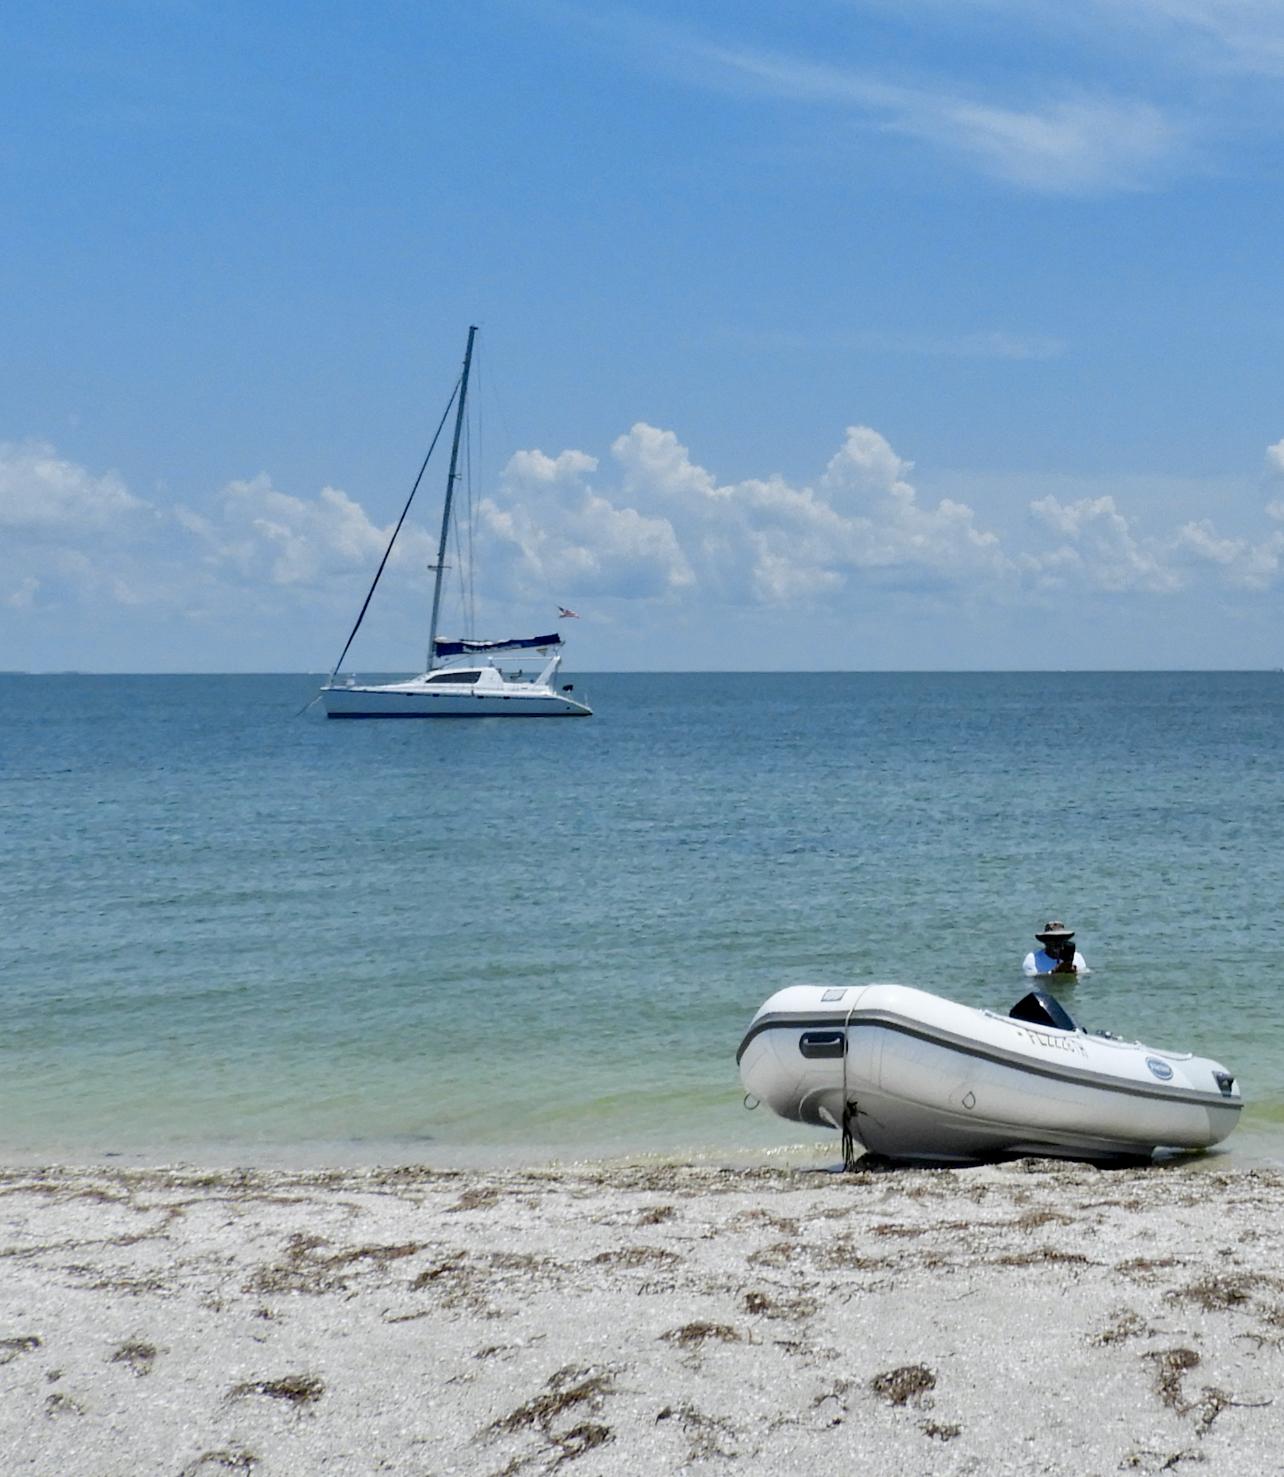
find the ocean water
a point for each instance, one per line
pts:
(231, 931)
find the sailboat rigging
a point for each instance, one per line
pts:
(464, 677)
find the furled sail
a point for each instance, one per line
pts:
(442, 647)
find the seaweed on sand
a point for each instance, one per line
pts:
(900, 1386)
(298, 1389)
(700, 1332)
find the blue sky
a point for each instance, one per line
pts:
(922, 335)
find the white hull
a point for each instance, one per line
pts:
(927, 1078)
(405, 702)
(458, 691)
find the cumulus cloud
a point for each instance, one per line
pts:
(648, 524)
(271, 535)
(66, 532)
(72, 535)
(1097, 546)
(669, 526)
(1252, 566)
(563, 535)
(42, 493)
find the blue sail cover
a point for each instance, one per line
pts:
(484, 648)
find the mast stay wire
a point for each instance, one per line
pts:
(388, 551)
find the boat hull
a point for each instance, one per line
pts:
(929, 1079)
(408, 702)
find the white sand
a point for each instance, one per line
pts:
(1034, 1317)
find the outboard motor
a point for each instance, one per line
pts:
(1039, 1008)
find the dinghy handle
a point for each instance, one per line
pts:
(823, 1043)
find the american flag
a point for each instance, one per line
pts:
(566, 615)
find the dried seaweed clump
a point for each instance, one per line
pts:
(653, 1215)
(941, 1430)
(137, 1355)
(900, 1386)
(700, 1333)
(1040, 1256)
(636, 1256)
(453, 1264)
(568, 1388)
(210, 1462)
(304, 1268)
(1171, 1366)
(1216, 1292)
(24, 1344)
(761, 1305)
(708, 1436)
(299, 1389)
(585, 1437)
(477, 1197)
(1126, 1325)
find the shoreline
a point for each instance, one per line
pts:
(1038, 1315)
(1252, 1145)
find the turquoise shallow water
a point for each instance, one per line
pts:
(233, 930)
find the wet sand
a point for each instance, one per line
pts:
(1029, 1317)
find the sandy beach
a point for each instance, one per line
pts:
(1028, 1317)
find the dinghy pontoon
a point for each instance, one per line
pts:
(910, 1075)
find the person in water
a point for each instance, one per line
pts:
(1058, 954)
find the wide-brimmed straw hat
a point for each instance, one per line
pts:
(1053, 930)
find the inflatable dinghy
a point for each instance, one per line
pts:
(910, 1075)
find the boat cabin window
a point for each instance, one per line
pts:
(453, 677)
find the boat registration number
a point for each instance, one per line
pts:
(1057, 1043)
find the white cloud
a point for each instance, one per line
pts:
(1068, 140)
(649, 525)
(566, 537)
(1098, 548)
(1275, 459)
(67, 533)
(1073, 147)
(266, 535)
(42, 493)
(534, 467)
(1251, 566)
(670, 527)
(1244, 36)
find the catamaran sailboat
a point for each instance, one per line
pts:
(465, 678)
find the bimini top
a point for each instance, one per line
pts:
(465, 647)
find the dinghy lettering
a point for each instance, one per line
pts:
(1058, 1043)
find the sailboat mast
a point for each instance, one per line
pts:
(450, 494)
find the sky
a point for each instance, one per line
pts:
(904, 334)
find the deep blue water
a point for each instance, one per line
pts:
(229, 925)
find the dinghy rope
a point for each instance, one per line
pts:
(850, 1109)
